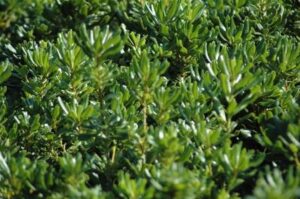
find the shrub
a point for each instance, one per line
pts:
(149, 99)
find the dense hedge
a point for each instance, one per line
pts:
(150, 99)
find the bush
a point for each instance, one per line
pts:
(149, 99)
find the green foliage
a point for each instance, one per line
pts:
(149, 99)
(274, 185)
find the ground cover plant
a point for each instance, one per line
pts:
(150, 99)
